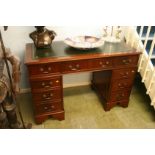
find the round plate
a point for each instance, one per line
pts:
(84, 42)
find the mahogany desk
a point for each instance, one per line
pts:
(113, 68)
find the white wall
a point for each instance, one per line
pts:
(16, 37)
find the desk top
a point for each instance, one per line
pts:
(59, 51)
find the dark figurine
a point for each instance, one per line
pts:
(42, 37)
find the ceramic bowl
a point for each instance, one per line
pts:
(84, 42)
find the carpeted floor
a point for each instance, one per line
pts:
(83, 110)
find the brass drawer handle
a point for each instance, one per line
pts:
(47, 96)
(71, 67)
(77, 66)
(49, 68)
(51, 94)
(100, 62)
(127, 73)
(52, 106)
(119, 84)
(122, 85)
(45, 71)
(57, 81)
(126, 61)
(125, 76)
(106, 63)
(48, 85)
(133, 71)
(45, 108)
(43, 84)
(74, 68)
(41, 69)
(44, 95)
(49, 108)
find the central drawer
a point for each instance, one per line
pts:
(74, 66)
(101, 63)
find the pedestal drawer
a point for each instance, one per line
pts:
(48, 95)
(124, 73)
(46, 83)
(119, 95)
(48, 107)
(121, 84)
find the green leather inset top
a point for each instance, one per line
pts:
(60, 49)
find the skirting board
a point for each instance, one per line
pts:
(28, 90)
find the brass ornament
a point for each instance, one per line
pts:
(42, 37)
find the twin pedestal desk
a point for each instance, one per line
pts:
(113, 68)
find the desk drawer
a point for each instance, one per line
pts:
(74, 66)
(101, 63)
(126, 61)
(48, 107)
(46, 83)
(123, 103)
(124, 73)
(119, 95)
(121, 84)
(44, 69)
(48, 95)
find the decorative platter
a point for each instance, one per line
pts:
(84, 42)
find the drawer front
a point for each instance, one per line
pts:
(121, 84)
(48, 107)
(119, 95)
(44, 69)
(126, 61)
(101, 63)
(123, 103)
(74, 66)
(45, 84)
(124, 73)
(48, 95)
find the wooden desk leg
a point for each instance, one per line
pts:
(60, 116)
(124, 103)
(108, 105)
(39, 119)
